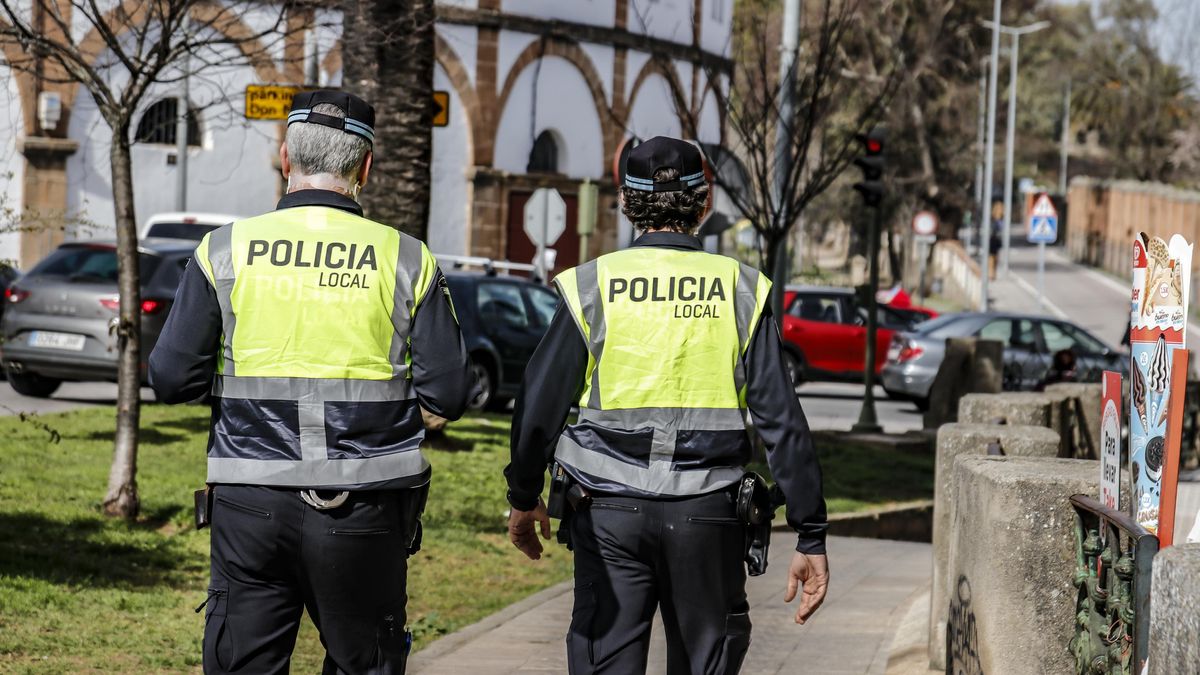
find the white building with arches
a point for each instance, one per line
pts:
(542, 93)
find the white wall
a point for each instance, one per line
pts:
(448, 210)
(12, 167)
(231, 173)
(565, 105)
(716, 26)
(653, 112)
(594, 12)
(666, 19)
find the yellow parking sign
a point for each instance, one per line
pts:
(269, 101)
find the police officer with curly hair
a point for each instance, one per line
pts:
(319, 334)
(664, 348)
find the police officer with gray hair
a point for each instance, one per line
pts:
(320, 334)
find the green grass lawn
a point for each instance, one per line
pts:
(79, 592)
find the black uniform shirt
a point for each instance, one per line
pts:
(184, 361)
(557, 371)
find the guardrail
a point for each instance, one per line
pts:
(489, 266)
(1113, 556)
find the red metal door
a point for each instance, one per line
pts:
(522, 250)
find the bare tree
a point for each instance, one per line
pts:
(390, 63)
(126, 48)
(852, 57)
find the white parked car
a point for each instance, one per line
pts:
(187, 225)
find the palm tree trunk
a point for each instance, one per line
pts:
(122, 498)
(389, 63)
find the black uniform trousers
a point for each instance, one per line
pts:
(684, 556)
(273, 556)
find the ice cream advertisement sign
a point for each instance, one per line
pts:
(1158, 322)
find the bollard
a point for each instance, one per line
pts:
(970, 439)
(1012, 564)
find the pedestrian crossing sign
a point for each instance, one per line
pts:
(1043, 221)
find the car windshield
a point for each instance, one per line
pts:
(193, 231)
(89, 264)
(947, 325)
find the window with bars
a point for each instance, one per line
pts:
(159, 122)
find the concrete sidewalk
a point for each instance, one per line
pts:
(874, 583)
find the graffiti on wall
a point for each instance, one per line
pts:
(962, 636)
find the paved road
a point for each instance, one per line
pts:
(70, 396)
(873, 585)
(833, 406)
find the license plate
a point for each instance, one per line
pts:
(49, 340)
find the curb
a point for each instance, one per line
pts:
(448, 643)
(909, 521)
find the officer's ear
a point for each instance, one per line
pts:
(285, 164)
(366, 169)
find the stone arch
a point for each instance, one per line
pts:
(460, 79)
(658, 65)
(93, 44)
(571, 52)
(722, 112)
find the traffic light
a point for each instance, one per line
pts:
(871, 163)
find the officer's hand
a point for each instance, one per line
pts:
(521, 529)
(813, 572)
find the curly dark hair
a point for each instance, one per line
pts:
(678, 211)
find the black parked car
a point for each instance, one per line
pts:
(503, 319)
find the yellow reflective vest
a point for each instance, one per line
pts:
(317, 306)
(662, 409)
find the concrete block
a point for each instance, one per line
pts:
(1037, 409)
(968, 439)
(1084, 402)
(1175, 611)
(1012, 559)
(970, 365)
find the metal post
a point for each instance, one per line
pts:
(181, 136)
(985, 224)
(1064, 150)
(979, 140)
(868, 422)
(1041, 275)
(789, 46)
(1009, 141)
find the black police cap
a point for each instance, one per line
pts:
(359, 119)
(662, 152)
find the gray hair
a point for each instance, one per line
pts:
(315, 149)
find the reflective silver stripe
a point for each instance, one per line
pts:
(408, 271)
(745, 302)
(320, 472)
(706, 419)
(313, 445)
(312, 390)
(591, 303)
(658, 479)
(220, 258)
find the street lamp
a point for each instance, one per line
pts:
(1010, 137)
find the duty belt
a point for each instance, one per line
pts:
(314, 500)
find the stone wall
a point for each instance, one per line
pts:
(955, 440)
(1011, 564)
(1175, 611)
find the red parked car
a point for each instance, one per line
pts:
(825, 332)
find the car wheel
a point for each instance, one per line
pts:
(922, 403)
(486, 384)
(795, 367)
(37, 386)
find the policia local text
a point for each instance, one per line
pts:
(333, 255)
(681, 290)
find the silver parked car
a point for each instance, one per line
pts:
(1029, 342)
(58, 317)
